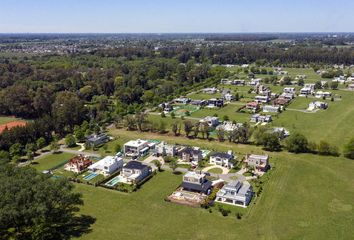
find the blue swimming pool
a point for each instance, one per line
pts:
(90, 176)
(113, 181)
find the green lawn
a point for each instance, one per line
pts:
(215, 170)
(51, 161)
(307, 197)
(333, 124)
(4, 120)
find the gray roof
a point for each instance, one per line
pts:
(221, 155)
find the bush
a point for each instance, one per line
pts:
(349, 149)
(297, 143)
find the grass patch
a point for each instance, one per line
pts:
(51, 161)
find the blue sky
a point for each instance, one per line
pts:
(158, 16)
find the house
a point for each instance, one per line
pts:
(166, 107)
(196, 182)
(136, 148)
(238, 82)
(291, 90)
(262, 90)
(281, 132)
(78, 164)
(212, 90)
(261, 118)
(198, 102)
(193, 155)
(215, 102)
(351, 87)
(321, 94)
(281, 101)
(255, 81)
(261, 99)
(107, 165)
(163, 149)
(317, 105)
(133, 172)
(235, 193)
(270, 108)
(259, 162)
(228, 97)
(307, 89)
(182, 100)
(222, 159)
(228, 126)
(254, 106)
(288, 96)
(225, 81)
(97, 139)
(340, 79)
(211, 121)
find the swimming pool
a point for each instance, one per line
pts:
(90, 176)
(113, 181)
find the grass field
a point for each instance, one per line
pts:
(51, 161)
(4, 120)
(307, 197)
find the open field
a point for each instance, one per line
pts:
(294, 205)
(333, 124)
(51, 161)
(4, 120)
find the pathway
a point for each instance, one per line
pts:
(224, 169)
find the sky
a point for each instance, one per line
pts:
(178, 16)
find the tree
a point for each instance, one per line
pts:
(196, 129)
(16, 150)
(30, 150)
(4, 156)
(70, 141)
(220, 133)
(225, 118)
(173, 164)
(173, 115)
(54, 145)
(297, 143)
(140, 119)
(79, 134)
(46, 209)
(271, 142)
(157, 164)
(188, 127)
(130, 122)
(349, 149)
(162, 126)
(40, 142)
(334, 85)
(175, 128)
(318, 85)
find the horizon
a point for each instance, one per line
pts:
(162, 17)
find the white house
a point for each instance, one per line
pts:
(238, 82)
(182, 100)
(211, 121)
(164, 149)
(262, 99)
(321, 94)
(307, 89)
(317, 105)
(228, 126)
(212, 90)
(235, 193)
(229, 97)
(289, 90)
(270, 108)
(107, 165)
(136, 148)
(222, 159)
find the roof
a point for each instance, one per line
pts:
(135, 165)
(189, 150)
(135, 143)
(221, 155)
(107, 161)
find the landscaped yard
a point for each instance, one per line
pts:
(51, 161)
(215, 170)
(307, 196)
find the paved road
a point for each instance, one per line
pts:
(66, 150)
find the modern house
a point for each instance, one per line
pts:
(261, 99)
(254, 106)
(259, 162)
(134, 171)
(182, 100)
(212, 90)
(164, 149)
(280, 101)
(196, 182)
(281, 132)
(289, 90)
(288, 96)
(317, 105)
(198, 102)
(189, 154)
(78, 164)
(228, 97)
(238, 82)
(261, 118)
(255, 82)
(271, 109)
(215, 102)
(166, 107)
(222, 159)
(136, 148)
(228, 126)
(97, 139)
(321, 94)
(225, 81)
(107, 165)
(307, 89)
(211, 121)
(235, 193)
